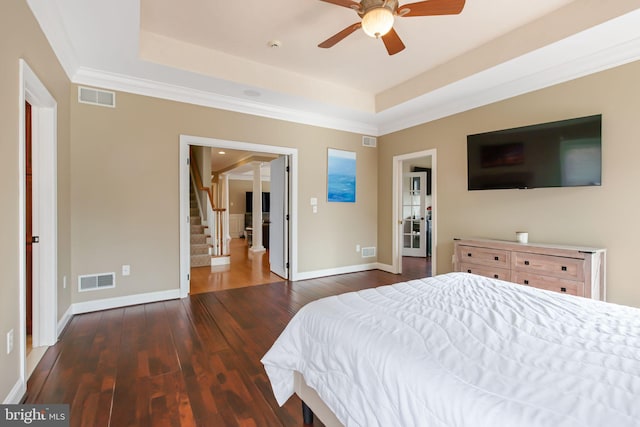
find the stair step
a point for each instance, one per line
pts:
(197, 229)
(195, 220)
(198, 238)
(200, 260)
(200, 249)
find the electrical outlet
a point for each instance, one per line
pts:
(10, 341)
(126, 270)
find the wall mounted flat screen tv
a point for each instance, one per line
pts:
(266, 199)
(566, 153)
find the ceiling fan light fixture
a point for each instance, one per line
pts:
(377, 22)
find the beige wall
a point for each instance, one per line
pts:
(603, 216)
(125, 203)
(21, 37)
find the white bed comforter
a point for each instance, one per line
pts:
(464, 350)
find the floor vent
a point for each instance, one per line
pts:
(103, 98)
(93, 282)
(369, 141)
(369, 252)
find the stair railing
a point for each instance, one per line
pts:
(214, 215)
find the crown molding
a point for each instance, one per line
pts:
(120, 82)
(50, 20)
(577, 56)
(605, 46)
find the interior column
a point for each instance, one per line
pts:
(256, 222)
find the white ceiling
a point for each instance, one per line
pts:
(217, 54)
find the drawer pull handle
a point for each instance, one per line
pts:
(495, 276)
(468, 253)
(496, 258)
(564, 268)
(526, 263)
(563, 289)
(469, 271)
(526, 282)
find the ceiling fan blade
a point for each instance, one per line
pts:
(351, 4)
(432, 7)
(392, 42)
(331, 41)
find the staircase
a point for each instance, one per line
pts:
(200, 249)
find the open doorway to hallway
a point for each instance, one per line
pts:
(233, 175)
(233, 184)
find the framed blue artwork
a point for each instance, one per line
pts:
(341, 176)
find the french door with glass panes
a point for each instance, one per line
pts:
(414, 233)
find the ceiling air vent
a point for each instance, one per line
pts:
(93, 282)
(103, 98)
(369, 141)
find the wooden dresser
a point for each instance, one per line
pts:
(569, 269)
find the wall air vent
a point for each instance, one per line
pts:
(369, 141)
(103, 98)
(93, 282)
(369, 252)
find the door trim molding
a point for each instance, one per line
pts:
(45, 219)
(396, 235)
(185, 142)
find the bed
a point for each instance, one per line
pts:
(461, 350)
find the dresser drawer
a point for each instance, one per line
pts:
(546, 265)
(484, 256)
(547, 282)
(481, 270)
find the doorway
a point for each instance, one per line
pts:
(43, 207)
(414, 213)
(251, 258)
(185, 142)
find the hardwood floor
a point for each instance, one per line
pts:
(194, 361)
(246, 269)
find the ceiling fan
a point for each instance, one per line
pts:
(377, 18)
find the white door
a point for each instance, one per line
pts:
(279, 218)
(414, 192)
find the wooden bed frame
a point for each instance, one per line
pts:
(313, 404)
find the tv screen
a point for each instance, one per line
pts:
(565, 153)
(266, 199)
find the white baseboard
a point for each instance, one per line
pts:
(220, 260)
(386, 267)
(16, 394)
(64, 321)
(333, 271)
(117, 302)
